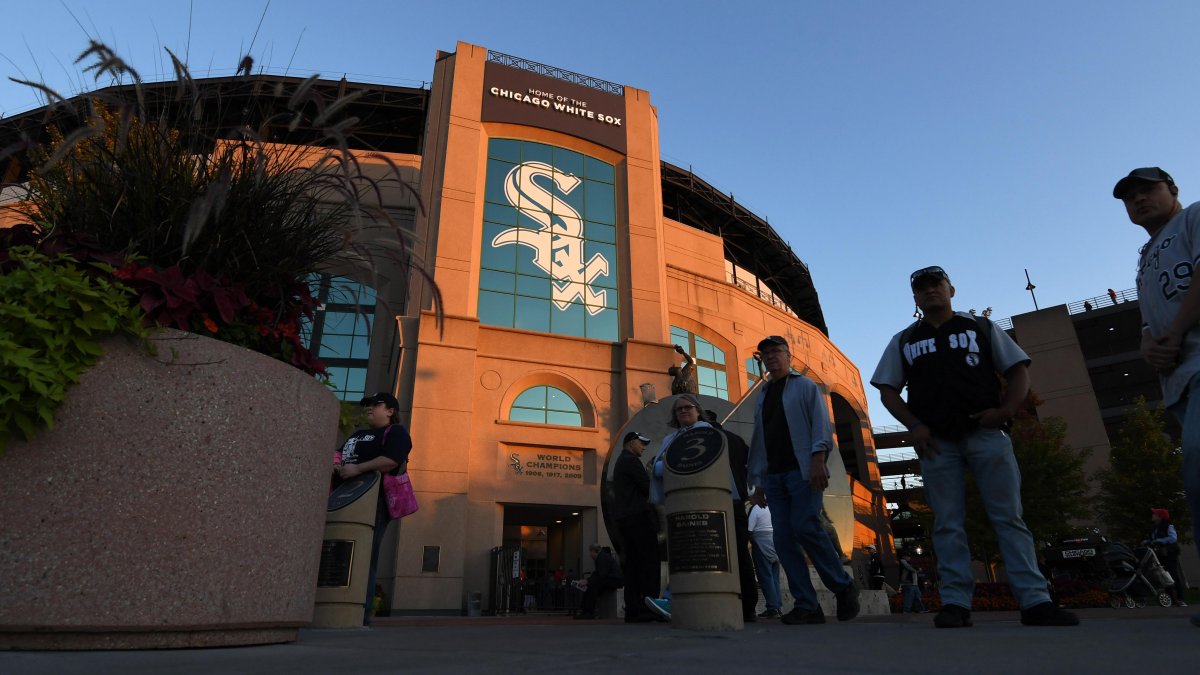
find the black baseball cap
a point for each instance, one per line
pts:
(936, 273)
(771, 340)
(633, 434)
(1146, 174)
(382, 397)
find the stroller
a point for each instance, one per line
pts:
(1137, 577)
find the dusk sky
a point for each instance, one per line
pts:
(876, 137)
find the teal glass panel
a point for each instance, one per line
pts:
(526, 254)
(594, 169)
(569, 161)
(532, 314)
(338, 322)
(601, 203)
(680, 336)
(718, 356)
(534, 287)
(505, 149)
(603, 326)
(570, 204)
(497, 174)
(497, 257)
(527, 415)
(565, 419)
(360, 347)
(707, 377)
(356, 379)
(600, 232)
(491, 280)
(609, 253)
(557, 399)
(537, 152)
(569, 321)
(704, 350)
(533, 397)
(496, 309)
(503, 214)
(335, 346)
(337, 377)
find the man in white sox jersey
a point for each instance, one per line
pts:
(1170, 311)
(949, 361)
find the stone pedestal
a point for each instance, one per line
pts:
(346, 553)
(700, 533)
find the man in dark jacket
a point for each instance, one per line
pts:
(606, 577)
(636, 522)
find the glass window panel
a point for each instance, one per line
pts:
(569, 161)
(718, 356)
(495, 309)
(609, 253)
(338, 322)
(536, 287)
(601, 202)
(497, 174)
(356, 379)
(503, 257)
(505, 149)
(601, 232)
(537, 152)
(491, 280)
(753, 367)
(306, 332)
(533, 397)
(360, 348)
(569, 321)
(335, 346)
(525, 254)
(610, 297)
(603, 326)
(569, 203)
(527, 415)
(557, 399)
(706, 376)
(532, 314)
(500, 213)
(597, 170)
(680, 336)
(337, 377)
(565, 419)
(704, 350)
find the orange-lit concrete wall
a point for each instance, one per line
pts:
(464, 376)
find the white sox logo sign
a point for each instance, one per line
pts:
(557, 244)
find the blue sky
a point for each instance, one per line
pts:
(877, 137)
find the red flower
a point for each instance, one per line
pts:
(209, 323)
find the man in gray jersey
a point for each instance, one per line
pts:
(1170, 312)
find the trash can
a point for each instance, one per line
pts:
(475, 603)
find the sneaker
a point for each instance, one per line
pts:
(1048, 614)
(770, 614)
(799, 616)
(1180, 603)
(953, 616)
(847, 602)
(660, 606)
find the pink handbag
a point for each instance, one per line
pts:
(399, 494)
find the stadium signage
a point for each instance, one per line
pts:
(521, 97)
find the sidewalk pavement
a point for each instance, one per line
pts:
(1150, 640)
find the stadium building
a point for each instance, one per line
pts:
(567, 259)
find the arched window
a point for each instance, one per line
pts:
(340, 331)
(710, 362)
(546, 405)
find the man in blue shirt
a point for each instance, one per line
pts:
(792, 441)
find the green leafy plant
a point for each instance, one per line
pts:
(47, 344)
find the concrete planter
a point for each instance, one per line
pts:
(179, 502)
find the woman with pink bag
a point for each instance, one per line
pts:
(382, 447)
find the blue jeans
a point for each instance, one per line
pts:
(796, 516)
(768, 576)
(1187, 411)
(912, 598)
(989, 454)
